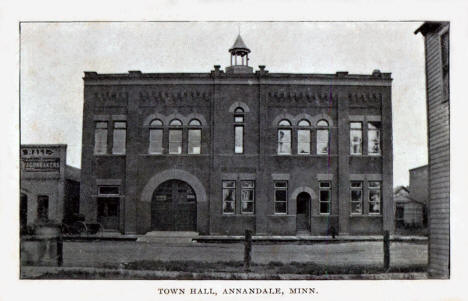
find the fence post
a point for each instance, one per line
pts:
(247, 249)
(386, 246)
(59, 251)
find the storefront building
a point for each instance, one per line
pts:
(236, 149)
(49, 189)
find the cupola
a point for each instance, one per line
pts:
(239, 57)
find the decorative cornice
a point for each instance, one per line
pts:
(365, 99)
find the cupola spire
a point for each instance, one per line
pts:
(239, 57)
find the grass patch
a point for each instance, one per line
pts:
(271, 270)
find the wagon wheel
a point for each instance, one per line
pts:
(100, 230)
(65, 229)
(79, 227)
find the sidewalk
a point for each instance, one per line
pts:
(105, 273)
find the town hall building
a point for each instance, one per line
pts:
(228, 150)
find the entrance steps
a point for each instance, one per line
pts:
(168, 237)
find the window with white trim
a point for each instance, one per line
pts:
(373, 138)
(284, 137)
(247, 197)
(356, 197)
(375, 194)
(323, 139)
(175, 137)
(239, 130)
(281, 197)
(100, 138)
(229, 197)
(194, 137)
(303, 137)
(156, 137)
(356, 138)
(324, 197)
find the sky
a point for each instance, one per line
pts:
(55, 55)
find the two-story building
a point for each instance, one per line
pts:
(236, 149)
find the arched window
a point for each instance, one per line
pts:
(156, 122)
(284, 122)
(195, 122)
(194, 137)
(323, 141)
(303, 138)
(284, 137)
(156, 137)
(175, 122)
(175, 137)
(239, 130)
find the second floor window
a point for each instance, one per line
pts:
(194, 137)
(100, 138)
(119, 137)
(156, 137)
(175, 137)
(373, 138)
(303, 138)
(356, 138)
(284, 137)
(322, 137)
(239, 130)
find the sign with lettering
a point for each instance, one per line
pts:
(41, 164)
(39, 151)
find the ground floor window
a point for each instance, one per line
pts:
(247, 196)
(374, 197)
(356, 197)
(229, 197)
(325, 197)
(281, 193)
(42, 207)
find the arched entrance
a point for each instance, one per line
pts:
(303, 212)
(174, 207)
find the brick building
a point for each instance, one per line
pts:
(235, 149)
(49, 189)
(436, 43)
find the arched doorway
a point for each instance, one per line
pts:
(174, 207)
(303, 212)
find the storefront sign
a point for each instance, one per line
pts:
(41, 164)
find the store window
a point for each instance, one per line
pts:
(375, 194)
(229, 197)
(280, 198)
(325, 197)
(247, 197)
(356, 138)
(356, 197)
(100, 138)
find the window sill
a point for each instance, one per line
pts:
(110, 155)
(365, 215)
